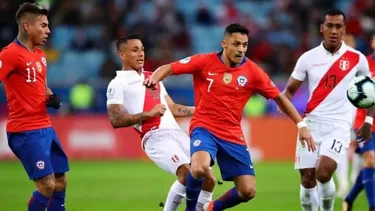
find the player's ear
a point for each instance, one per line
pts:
(321, 28)
(223, 43)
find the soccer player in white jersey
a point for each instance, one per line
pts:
(151, 112)
(328, 69)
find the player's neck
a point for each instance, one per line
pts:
(332, 49)
(128, 68)
(227, 61)
(23, 39)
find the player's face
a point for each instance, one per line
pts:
(38, 29)
(235, 46)
(333, 29)
(132, 54)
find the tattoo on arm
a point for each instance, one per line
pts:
(183, 111)
(120, 119)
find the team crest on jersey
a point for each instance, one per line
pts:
(344, 64)
(242, 80)
(44, 61)
(227, 78)
(38, 66)
(197, 143)
(40, 165)
(185, 60)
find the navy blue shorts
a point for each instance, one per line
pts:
(364, 147)
(39, 151)
(233, 159)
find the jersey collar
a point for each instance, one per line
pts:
(339, 52)
(127, 72)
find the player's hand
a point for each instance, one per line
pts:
(157, 110)
(150, 83)
(53, 101)
(364, 132)
(305, 137)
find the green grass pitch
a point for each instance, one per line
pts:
(140, 186)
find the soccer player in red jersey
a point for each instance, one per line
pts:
(223, 83)
(23, 69)
(365, 179)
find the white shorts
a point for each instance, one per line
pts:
(167, 148)
(331, 139)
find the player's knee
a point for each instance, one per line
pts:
(209, 183)
(308, 178)
(46, 185)
(182, 173)
(60, 182)
(247, 194)
(323, 176)
(369, 159)
(199, 170)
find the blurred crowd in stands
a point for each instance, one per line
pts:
(82, 56)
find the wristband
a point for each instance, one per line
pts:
(369, 120)
(301, 124)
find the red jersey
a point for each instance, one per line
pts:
(221, 92)
(361, 113)
(24, 76)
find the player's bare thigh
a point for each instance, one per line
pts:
(45, 185)
(245, 185)
(200, 164)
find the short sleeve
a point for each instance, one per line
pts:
(363, 66)
(7, 64)
(115, 93)
(300, 70)
(187, 65)
(264, 85)
(163, 91)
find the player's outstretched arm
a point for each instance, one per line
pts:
(159, 74)
(304, 134)
(189, 65)
(291, 87)
(179, 110)
(119, 118)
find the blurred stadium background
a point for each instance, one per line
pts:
(109, 170)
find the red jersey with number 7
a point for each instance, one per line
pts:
(221, 92)
(24, 76)
(328, 76)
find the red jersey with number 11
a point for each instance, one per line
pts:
(24, 76)
(221, 92)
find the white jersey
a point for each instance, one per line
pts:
(128, 90)
(328, 79)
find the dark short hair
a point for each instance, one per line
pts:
(236, 28)
(334, 12)
(29, 8)
(125, 39)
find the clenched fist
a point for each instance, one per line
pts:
(157, 110)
